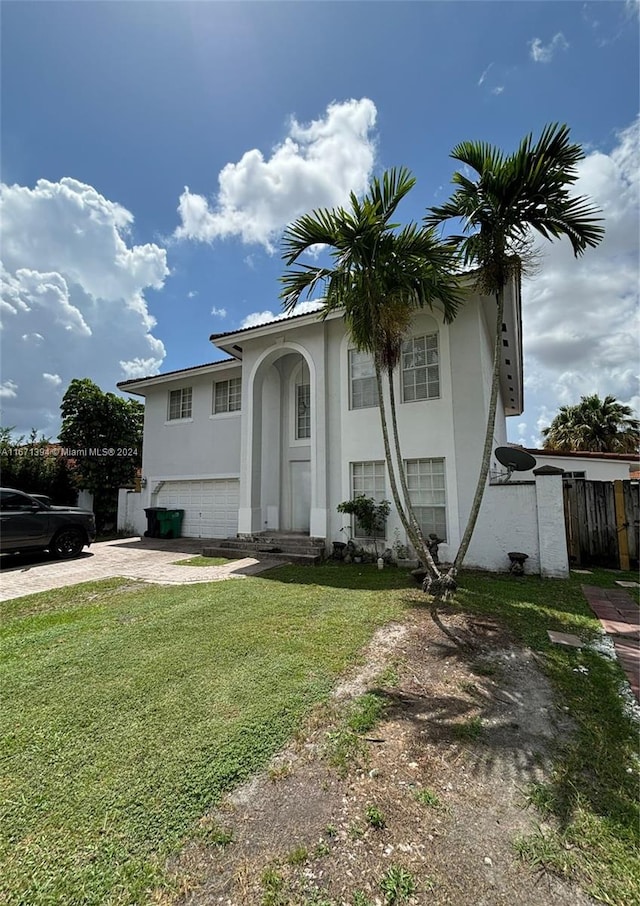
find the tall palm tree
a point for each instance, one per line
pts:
(380, 275)
(511, 196)
(594, 425)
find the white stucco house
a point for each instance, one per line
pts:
(592, 466)
(274, 436)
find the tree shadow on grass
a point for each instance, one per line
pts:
(333, 574)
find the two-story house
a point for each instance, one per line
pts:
(273, 437)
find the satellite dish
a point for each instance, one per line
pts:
(515, 459)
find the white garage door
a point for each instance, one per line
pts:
(210, 507)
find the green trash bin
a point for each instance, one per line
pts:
(170, 523)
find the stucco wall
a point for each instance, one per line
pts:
(508, 521)
(131, 515)
(524, 516)
(205, 446)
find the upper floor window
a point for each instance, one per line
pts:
(420, 368)
(227, 395)
(363, 386)
(303, 411)
(180, 402)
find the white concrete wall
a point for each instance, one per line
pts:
(508, 521)
(85, 499)
(131, 515)
(596, 469)
(524, 516)
(204, 446)
(552, 537)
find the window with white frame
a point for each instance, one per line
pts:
(420, 368)
(227, 396)
(367, 480)
(427, 492)
(363, 388)
(180, 402)
(303, 411)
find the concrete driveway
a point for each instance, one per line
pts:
(145, 559)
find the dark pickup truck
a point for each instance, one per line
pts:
(27, 524)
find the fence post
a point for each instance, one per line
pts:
(552, 535)
(621, 526)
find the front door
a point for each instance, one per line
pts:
(300, 496)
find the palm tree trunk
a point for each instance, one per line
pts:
(422, 549)
(488, 440)
(390, 468)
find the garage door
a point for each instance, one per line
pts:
(210, 507)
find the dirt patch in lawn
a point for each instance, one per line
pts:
(427, 802)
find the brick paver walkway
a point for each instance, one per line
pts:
(146, 559)
(620, 618)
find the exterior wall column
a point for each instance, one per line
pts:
(248, 513)
(552, 537)
(318, 514)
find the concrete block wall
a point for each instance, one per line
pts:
(131, 515)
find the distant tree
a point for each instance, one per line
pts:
(33, 465)
(102, 435)
(595, 426)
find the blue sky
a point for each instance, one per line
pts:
(265, 110)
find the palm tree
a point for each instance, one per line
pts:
(594, 425)
(512, 196)
(380, 275)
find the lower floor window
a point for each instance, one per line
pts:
(427, 492)
(367, 480)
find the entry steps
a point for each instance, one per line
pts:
(293, 547)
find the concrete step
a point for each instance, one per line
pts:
(237, 553)
(292, 547)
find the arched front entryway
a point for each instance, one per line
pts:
(280, 445)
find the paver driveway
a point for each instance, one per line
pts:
(146, 559)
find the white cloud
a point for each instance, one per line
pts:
(264, 317)
(484, 75)
(219, 312)
(192, 294)
(316, 165)
(581, 319)
(8, 390)
(72, 297)
(543, 53)
(498, 89)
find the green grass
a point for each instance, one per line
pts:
(427, 797)
(366, 711)
(374, 817)
(203, 561)
(129, 710)
(468, 730)
(397, 885)
(593, 790)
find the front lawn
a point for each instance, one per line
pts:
(129, 710)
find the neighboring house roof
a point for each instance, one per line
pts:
(136, 385)
(586, 454)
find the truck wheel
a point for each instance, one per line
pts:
(67, 543)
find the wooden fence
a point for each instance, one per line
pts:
(602, 522)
